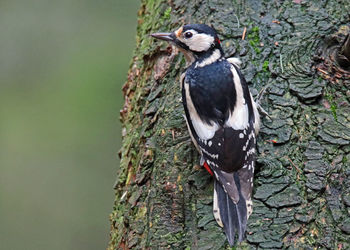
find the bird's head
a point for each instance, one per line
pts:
(194, 40)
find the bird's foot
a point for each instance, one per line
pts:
(258, 101)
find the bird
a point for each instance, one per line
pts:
(222, 120)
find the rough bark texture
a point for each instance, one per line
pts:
(302, 185)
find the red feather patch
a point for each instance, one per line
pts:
(205, 165)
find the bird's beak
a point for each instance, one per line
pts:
(164, 36)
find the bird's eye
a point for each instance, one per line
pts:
(188, 35)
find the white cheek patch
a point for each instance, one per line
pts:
(198, 42)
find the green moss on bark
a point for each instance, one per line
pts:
(301, 199)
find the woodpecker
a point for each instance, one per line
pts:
(223, 121)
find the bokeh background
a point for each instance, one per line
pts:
(62, 65)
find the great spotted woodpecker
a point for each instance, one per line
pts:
(223, 122)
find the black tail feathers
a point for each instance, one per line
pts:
(233, 216)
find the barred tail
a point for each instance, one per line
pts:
(233, 217)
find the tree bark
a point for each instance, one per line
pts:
(302, 184)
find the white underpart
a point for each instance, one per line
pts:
(212, 58)
(238, 119)
(198, 42)
(182, 76)
(216, 210)
(193, 140)
(203, 130)
(249, 205)
(189, 57)
(234, 60)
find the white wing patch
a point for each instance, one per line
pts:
(203, 130)
(234, 60)
(239, 118)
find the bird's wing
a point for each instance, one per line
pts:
(220, 115)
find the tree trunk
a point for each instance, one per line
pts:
(302, 184)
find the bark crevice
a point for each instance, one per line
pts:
(301, 189)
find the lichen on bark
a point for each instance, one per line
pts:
(301, 194)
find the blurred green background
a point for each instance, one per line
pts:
(62, 65)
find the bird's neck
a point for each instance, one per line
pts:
(208, 57)
(205, 57)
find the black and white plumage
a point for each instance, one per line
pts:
(223, 121)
